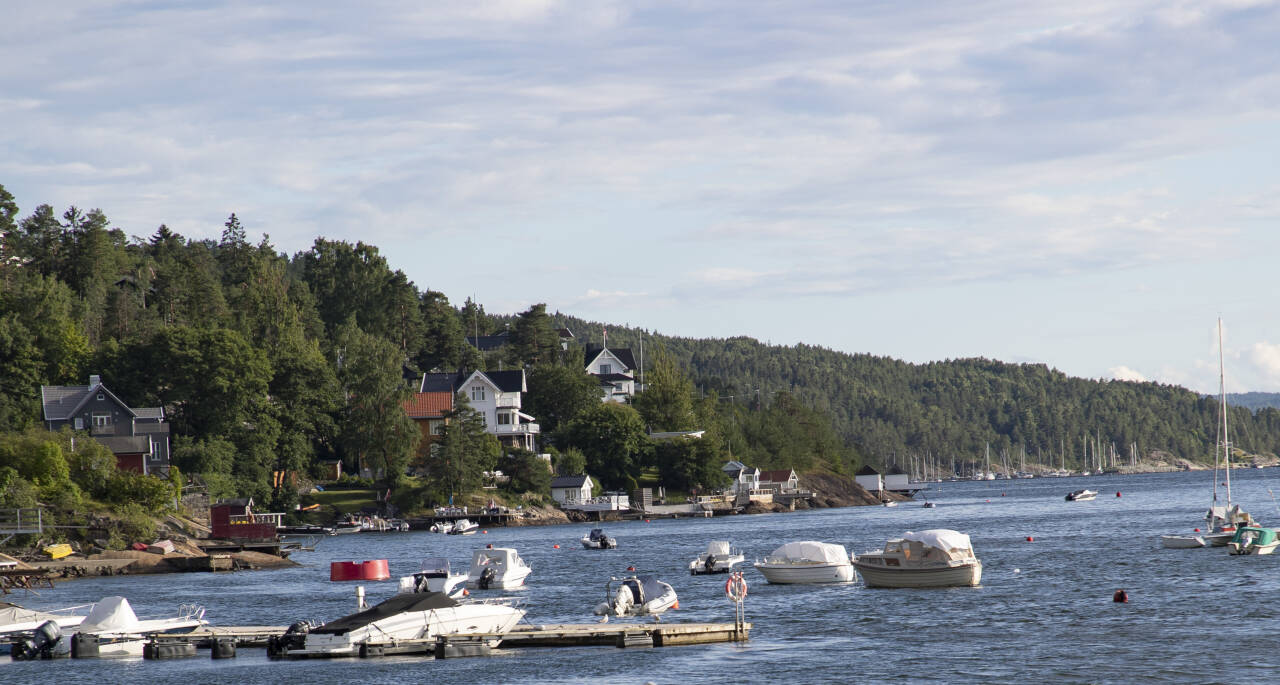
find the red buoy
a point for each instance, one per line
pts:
(646, 520)
(1030, 539)
(555, 547)
(1002, 494)
(1117, 494)
(631, 568)
(359, 570)
(1120, 597)
(489, 546)
(1197, 530)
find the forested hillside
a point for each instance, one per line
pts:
(1254, 400)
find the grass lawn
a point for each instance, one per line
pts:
(346, 501)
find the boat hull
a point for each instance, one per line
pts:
(511, 579)
(496, 619)
(967, 575)
(1182, 541)
(798, 574)
(1219, 539)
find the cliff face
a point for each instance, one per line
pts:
(831, 490)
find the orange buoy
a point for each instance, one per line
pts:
(1117, 494)
(1120, 597)
(555, 547)
(676, 605)
(631, 568)
(484, 532)
(1030, 539)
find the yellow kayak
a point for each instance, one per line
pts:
(58, 551)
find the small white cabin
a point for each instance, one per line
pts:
(571, 489)
(869, 479)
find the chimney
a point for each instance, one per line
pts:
(95, 381)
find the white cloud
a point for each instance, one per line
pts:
(1264, 359)
(1124, 373)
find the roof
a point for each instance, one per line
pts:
(61, 402)
(126, 444)
(440, 382)
(623, 354)
(564, 333)
(508, 381)
(776, 476)
(486, 343)
(613, 377)
(570, 481)
(897, 471)
(424, 405)
(236, 502)
(867, 471)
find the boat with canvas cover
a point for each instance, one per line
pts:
(18, 623)
(719, 558)
(807, 561)
(929, 558)
(112, 629)
(1253, 540)
(637, 596)
(497, 568)
(411, 616)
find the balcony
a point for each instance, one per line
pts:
(508, 401)
(102, 430)
(518, 429)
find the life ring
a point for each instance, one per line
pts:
(735, 587)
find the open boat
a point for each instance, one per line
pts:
(930, 558)
(463, 527)
(1081, 495)
(1182, 541)
(807, 562)
(1253, 540)
(637, 596)
(497, 568)
(719, 558)
(434, 576)
(409, 616)
(18, 624)
(596, 539)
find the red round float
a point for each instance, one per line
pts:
(375, 569)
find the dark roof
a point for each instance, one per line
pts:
(570, 481)
(897, 471)
(623, 354)
(609, 377)
(61, 402)
(237, 502)
(564, 333)
(486, 343)
(440, 382)
(776, 476)
(398, 604)
(867, 471)
(507, 381)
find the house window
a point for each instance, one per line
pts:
(79, 423)
(606, 368)
(99, 395)
(101, 420)
(477, 392)
(504, 419)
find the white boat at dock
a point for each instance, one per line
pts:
(463, 527)
(112, 629)
(929, 558)
(807, 561)
(497, 568)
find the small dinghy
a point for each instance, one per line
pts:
(637, 596)
(1081, 495)
(719, 558)
(1181, 541)
(597, 539)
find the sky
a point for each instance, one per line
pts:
(1088, 185)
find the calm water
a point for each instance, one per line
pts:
(1044, 610)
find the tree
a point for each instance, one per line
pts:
(666, 403)
(533, 339)
(527, 472)
(611, 437)
(458, 460)
(443, 341)
(558, 394)
(373, 430)
(570, 462)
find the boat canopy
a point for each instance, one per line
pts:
(643, 588)
(1255, 535)
(111, 615)
(943, 539)
(718, 547)
(399, 604)
(499, 557)
(810, 550)
(596, 534)
(433, 565)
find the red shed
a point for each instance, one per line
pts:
(233, 519)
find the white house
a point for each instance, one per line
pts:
(571, 489)
(869, 478)
(496, 395)
(745, 478)
(615, 369)
(897, 479)
(783, 480)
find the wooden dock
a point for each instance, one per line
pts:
(244, 636)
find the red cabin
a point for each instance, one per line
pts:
(234, 519)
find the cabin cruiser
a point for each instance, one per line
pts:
(407, 616)
(112, 629)
(1253, 540)
(597, 539)
(497, 568)
(1081, 495)
(637, 596)
(434, 576)
(807, 562)
(930, 558)
(719, 558)
(463, 527)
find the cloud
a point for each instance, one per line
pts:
(1124, 373)
(1264, 359)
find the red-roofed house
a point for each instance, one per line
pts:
(428, 409)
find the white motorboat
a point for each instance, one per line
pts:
(890, 503)
(441, 527)
(409, 616)
(807, 562)
(18, 624)
(929, 558)
(464, 527)
(112, 629)
(1081, 495)
(1253, 540)
(497, 568)
(597, 539)
(1182, 541)
(637, 596)
(434, 576)
(719, 558)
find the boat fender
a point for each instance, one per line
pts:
(84, 646)
(1120, 597)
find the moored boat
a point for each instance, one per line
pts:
(1182, 541)
(497, 568)
(597, 539)
(929, 558)
(434, 576)
(807, 561)
(463, 527)
(1253, 540)
(1082, 495)
(637, 596)
(720, 557)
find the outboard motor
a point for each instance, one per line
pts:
(486, 578)
(294, 638)
(40, 645)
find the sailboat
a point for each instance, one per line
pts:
(1222, 519)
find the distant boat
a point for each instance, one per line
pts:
(719, 558)
(1081, 495)
(1182, 541)
(1253, 540)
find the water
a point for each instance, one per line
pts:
(1044, 609)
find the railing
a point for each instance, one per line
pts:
(508, 402)
(512, 429)
(102, 430)
(21, 521)
(274, 519)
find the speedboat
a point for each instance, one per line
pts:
(1081, 495)
(719, 558)
(408, 616)
(807, 562)
(112, 629)
(1182, 541)
(1253, 540)
(637, 596)
(434, 576)
(930, 558)
(597, 539)
(464, 527)
(441, 527)
(18, 624)
(497, 568)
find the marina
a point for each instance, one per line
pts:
(1040, 604)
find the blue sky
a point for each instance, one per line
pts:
(1087, 184)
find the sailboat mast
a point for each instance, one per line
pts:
(1222, 394)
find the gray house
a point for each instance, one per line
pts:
(139, 437)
